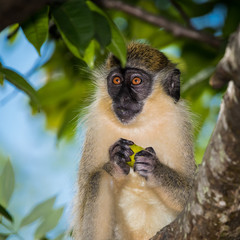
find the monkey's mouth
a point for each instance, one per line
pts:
(126, 115)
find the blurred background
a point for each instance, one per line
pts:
(44, 146)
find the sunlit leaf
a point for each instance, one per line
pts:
(5, 213)
(20, 83)
(89, 54)
(117, 45)
(75, 21)
(36, 28)
(49, 223)
(13, 32)
(41, 210)
(7, 183)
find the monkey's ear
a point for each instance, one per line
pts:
(172, 84)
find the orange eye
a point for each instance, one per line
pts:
(136, 81)
(116, 80)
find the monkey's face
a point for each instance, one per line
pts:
(128, 89)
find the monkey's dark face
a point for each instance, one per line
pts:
(128, 89)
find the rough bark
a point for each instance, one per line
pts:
(213, 210)
(16, 11)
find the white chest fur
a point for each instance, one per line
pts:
(142, 209)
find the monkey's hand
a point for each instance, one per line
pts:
(119, 154)
(146, 161)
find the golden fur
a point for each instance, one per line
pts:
(140, 208)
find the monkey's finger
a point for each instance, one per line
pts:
(120, 158)
(124, 167)
(143, 160)
(151, 150)
(124, 149)
(125, 141)
(144, 153)
(143, 167)
(127, 155)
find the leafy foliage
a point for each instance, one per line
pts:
(47, 216)
(20, 83)
(75, 22)
(36, 29)
(7, 183)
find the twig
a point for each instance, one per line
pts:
(172, 27)
(182, 13)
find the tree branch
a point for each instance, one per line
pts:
(182, 13)
(228, 67)
(12, 11)
(213, 209)
(172, 27)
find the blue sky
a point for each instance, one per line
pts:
(42, 167)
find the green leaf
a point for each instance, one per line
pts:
(7, 182)
(4, 236)
(75, 22)
(89, 55)
(13, 31)
(36, 28)
(5, 213)
(102, 29)
(20, 83)
(71, 47)
(1, 78)
(117, 45)
(49, 223)
(41, 210)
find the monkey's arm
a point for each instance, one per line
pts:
(172, 187)
(94, 207)
(95, 203)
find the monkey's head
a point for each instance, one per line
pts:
(146, 69)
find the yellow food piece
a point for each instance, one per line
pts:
(135, 148)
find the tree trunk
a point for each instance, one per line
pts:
(213, 209)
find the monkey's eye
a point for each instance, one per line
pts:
(116, 80)
(136, 81)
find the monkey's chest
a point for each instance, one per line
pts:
(141, 209)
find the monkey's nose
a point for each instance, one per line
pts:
(124, 101)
